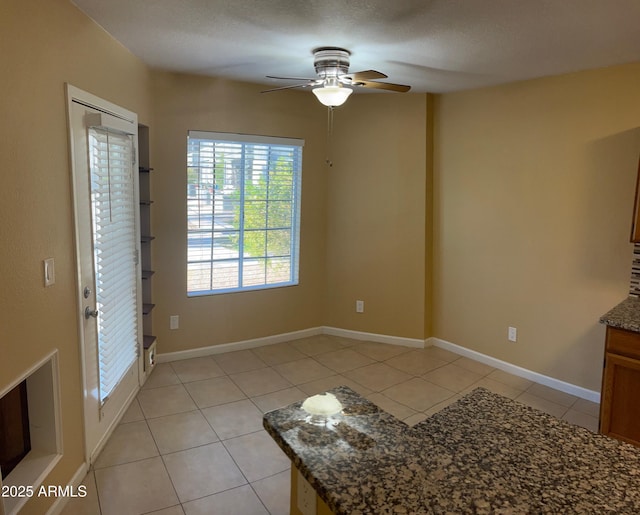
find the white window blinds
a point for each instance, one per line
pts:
(243, 212)
(113, 207)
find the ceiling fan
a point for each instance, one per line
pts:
(334, 83)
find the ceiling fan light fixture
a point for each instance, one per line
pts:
(332, 96)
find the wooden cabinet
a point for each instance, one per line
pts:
(620, 402)
(635, 227)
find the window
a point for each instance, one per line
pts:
(243, 212)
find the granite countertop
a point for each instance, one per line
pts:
(625, 315)
(483, 454)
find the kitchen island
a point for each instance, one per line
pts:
(483, 454)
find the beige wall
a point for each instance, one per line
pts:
(183, 103)
(376, 217)
(44, 45)
(357, 216)
(534, 187)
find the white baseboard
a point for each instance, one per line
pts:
(569, 388)
(234, 346)
(372, 337)
(287, 337)
(59, 504)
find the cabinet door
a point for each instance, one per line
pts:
(620, 409)
(635, 228)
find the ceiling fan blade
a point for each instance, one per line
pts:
(366, 75)
(400, 88)
(305, 85)
(291, 78)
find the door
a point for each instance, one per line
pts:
(104, 169)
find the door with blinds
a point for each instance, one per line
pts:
(104, 164)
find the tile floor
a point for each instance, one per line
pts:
(192, 443)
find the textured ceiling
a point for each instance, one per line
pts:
(432, 45)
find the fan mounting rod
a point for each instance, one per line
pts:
(331, 62)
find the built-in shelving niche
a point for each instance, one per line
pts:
(40, 385)
(146, 238)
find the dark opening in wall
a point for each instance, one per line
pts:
(15, 440)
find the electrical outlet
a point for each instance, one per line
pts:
(513, 334)
(359, 306)
(174, 322)
(306, 496)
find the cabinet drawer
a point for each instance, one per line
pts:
(624, 343)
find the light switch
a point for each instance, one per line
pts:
(49, 272)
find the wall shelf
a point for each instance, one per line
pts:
(147, 272)
(148, 341)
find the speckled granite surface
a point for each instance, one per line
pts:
(483, 454)
(625, 315)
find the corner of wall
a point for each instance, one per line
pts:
(429, 219)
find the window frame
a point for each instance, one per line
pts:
(246, 144)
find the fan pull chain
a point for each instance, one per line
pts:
(329, 134)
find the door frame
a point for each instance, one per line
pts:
(76, 95)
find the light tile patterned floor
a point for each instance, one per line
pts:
(192, 442)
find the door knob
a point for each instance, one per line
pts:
(88, 312)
